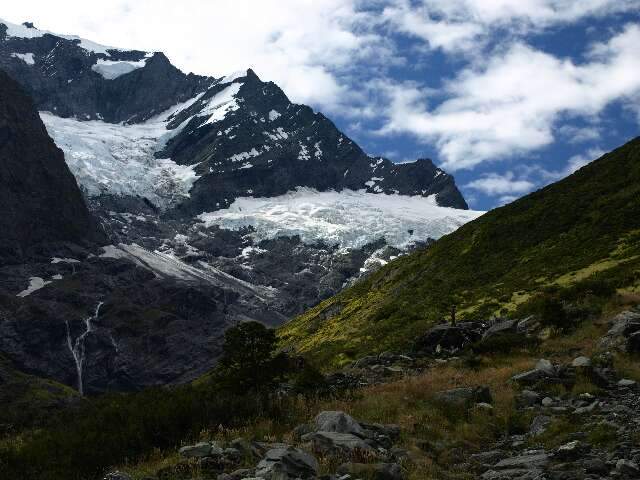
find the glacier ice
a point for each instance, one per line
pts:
(350, 219)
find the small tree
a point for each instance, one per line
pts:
(249, 360)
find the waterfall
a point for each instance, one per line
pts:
(76, 347)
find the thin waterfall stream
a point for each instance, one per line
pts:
(77, 346)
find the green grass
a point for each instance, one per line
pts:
(583, 226)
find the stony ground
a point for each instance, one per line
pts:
(573, 419)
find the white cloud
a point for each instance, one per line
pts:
(458, 25)
(500, 184)
(511, 103)
(304, 46)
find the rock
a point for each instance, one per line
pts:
(572, 450)
(626, 383)
(483, 407)
(527, 461)
(530, 377)
(628, 467)
(373, 471)
(506, 326)
(444, 339)
(528, 398)
(465, 395)
(624, 326)
(581, 362)
(334, 443)
(546, 367)
(547, 401)
(301, 430)
(116, 476)
(339, 422)
(539, 425)
(283, 463)
(199, 450)
(365, 361)
(595, 465)
(39, 198)
(587, 409)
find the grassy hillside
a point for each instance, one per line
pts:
(585, 226)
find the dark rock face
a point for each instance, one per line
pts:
(151, 328)
(39, 198)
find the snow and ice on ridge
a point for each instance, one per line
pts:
(21, 31)
(118, 159)
(350, 219)
(112, 69)
(25, 57)
(35, 283)
(221, 103)
(234, 76)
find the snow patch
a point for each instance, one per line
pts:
(221, 103)
(35, 283)
(274, 115)
(350, 219)
(234, 76)
(111, 69)
(25, 57)
(20, 31)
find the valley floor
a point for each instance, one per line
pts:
(572, 415)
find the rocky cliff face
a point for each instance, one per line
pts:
(39, 198)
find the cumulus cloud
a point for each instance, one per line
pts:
(459, 25)
(500, 184)
(511, 103)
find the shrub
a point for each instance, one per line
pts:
(250, 361)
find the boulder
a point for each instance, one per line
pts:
(529, 460)
(528, 398)
(339, 422)
(445, 339)
(116, 476)
(622, 334)
(626, 383)
(201, 449)
(284, 463)
(334, 443)
(373, 471)
(500, 328)
(628, 467)
(546, 367)
(572, 450)
(581, 362)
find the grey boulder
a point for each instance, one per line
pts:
(285, 463)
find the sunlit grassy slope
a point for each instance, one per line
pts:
(587, 224)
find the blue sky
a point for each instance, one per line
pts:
(507, 95)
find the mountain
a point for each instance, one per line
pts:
(171, 162)
(583, 227)
(39, 198)
(239, 135)
(221, 202)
